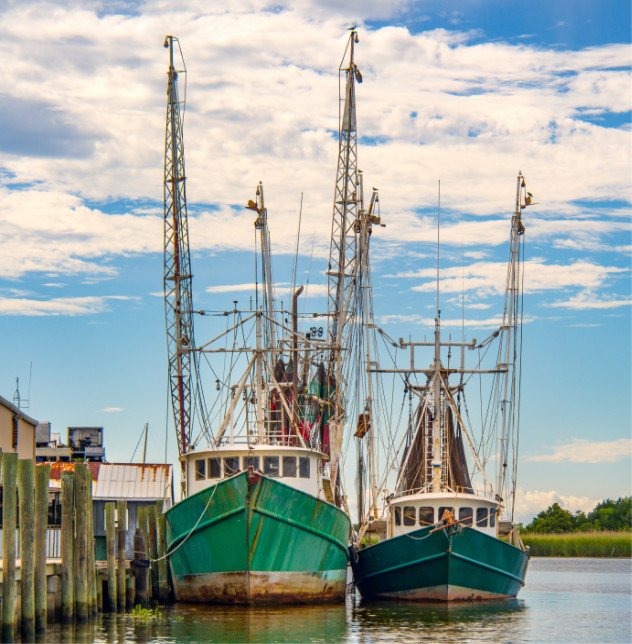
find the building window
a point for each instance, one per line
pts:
(492, 517)
(481, 517)
(442, 511)
(214, 468)
(251, 461)
(398, 515)
(426, 515)
(303, 467)
(289, 466)
(231, 465)
(409, 515)
(465, 515)
(271, 465)
(200, 469)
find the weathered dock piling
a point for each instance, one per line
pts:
(9, 477)
(111, 542)
(42, 476)
(152, 549)
(81, 549)
(163, 571)
(140, 568)
(121, 511)
(67, 546)
(92, 576)
(36, 586)
(26, 497)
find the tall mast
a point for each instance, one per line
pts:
(261, 224)
(510, 328)
(364, 276)
(437, 414)
(177, 265)
(343, 249)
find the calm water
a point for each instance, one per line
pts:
(564, 600)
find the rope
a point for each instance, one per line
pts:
(191, 531)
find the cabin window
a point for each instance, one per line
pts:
(409, 515)
(303, 467)
(426, 515)
(289, 466)
(398, 515)
(251, 461)
(231, 465)
(214, 468)
(481, 517)
(492, 517)
(442, 511)
(465, 515)
(271, 465)
(116, 518)
(200, 469)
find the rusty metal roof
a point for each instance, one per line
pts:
(122, 480)
(133, 481)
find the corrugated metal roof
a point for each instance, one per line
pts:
(122, 480)
(133, 481)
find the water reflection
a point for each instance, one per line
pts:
(325, 623)
(412, 622)
(563, 601)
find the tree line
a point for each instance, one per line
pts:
(609, 515)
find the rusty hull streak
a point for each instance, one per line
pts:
(260, 588)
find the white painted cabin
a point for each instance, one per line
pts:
(415, 511)
(298, 467)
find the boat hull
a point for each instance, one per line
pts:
(454, 564)
(255, 540)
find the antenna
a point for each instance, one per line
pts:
(18, 401)
(298, 238)
(438, 242)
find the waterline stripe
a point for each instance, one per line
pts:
(498, 571)
(406, 564)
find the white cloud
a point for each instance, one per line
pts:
(69, 306)
(112, 410)
(489, 101)
(586, 299)
(529, 503)
(487, 323)
(584, 451)
(280, 289)
(488, 278)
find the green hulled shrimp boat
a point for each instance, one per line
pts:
(440, 538)
(262, 517)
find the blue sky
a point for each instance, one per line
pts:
(466, 92)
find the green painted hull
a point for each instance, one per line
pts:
(257, 541)
(447, 565)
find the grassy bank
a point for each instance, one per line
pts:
(579, 544)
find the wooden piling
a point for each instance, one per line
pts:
(67, 546)
(161, 551)
(140, 568)
(81, 545)
(153, 547)
(91, 558)
(26, 505)
(130, 591)
(121, 512)
(42, 477)
(9, 477)
(111, 542)
(143, 555)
